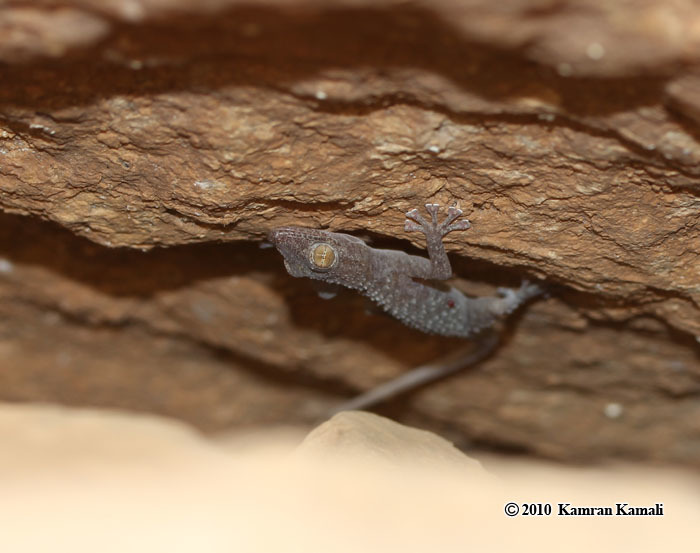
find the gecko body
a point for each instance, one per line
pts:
(406, 286)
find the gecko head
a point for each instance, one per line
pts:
(313, 253)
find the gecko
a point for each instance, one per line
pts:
(406, 286)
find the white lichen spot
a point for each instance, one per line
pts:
(321, 95)
(529, 143)
(613, 410)
(434, 149)
(595, 51)
(43, 128)
(204, 184)
(135, 64)
(565, 69)
(6, 266)
(679, 140)
(549, 117)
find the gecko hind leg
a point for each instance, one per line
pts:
(512, 298)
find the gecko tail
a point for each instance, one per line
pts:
(423, 375)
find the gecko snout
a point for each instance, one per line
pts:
(284, 240)
(274, 235)
(295, 239)
(291, 242)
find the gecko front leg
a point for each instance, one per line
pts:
(440, 268)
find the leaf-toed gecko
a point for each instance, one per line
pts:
(400, 284)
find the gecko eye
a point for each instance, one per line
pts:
(322, 256)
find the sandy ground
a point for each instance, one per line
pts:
(95, 480)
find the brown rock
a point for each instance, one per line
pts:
(567, 131)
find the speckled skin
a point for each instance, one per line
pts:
(403, 285)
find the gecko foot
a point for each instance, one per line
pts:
(416, 222)
(512, 298)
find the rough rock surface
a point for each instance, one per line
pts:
(567, 130)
